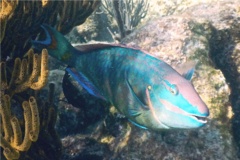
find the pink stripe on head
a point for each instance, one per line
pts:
(172, 108)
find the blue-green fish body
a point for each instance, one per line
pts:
(148, 91)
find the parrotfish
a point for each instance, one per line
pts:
(145, 89)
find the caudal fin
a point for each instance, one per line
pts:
(56, 44)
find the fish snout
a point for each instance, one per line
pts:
(202, 115)
(189, 117)
(203, 109)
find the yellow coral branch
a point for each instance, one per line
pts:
(28, 73)
(3, 75)
(26, 143)
(12, 141)
(7, 8)
(5, 114)
(8, 151)
(33, 134)
(17, 133)
(30, 54)
(23, 74)
(42, 79)
(15, 73)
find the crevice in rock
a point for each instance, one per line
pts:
(222, 45)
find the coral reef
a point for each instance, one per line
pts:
(21, 21)
(21, 77)
(36, 121)
(38, 127)
(12, 141)
(207, 33)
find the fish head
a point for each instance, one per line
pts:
(176, 104)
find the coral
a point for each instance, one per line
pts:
(38, 126)
(12, 141)
(18, 81)
(7, 8)
(31, 73)
(75, 13)
(48, 144)
(26, 18)
(127, 13)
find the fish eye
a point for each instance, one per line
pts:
(149, 88)
(173, 89)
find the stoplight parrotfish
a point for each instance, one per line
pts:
(148, 91)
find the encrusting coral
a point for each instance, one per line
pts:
(12, 141)
(31, 73)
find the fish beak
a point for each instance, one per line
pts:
(172, 108)
(200, 119)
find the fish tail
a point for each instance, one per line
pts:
(56, 44)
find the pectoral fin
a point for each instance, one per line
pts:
(135, 105)
(84, 82)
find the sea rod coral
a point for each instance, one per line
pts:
(11, 139)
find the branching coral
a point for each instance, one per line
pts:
(32, 123)
(12, 141)
(28, 73)
(127, 13)
(74, 13)
(49, 142)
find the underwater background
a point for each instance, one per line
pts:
(45, 114)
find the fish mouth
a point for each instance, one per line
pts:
(200, 119)
(172, 108)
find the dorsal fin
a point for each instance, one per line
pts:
(86, 48)
(94, 46)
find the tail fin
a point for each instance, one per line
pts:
(56, 44)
